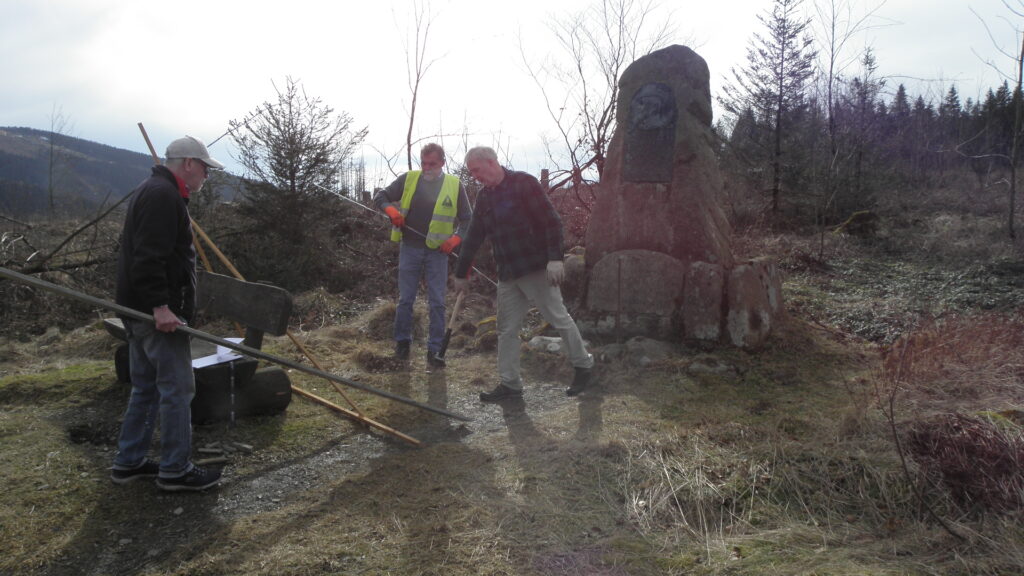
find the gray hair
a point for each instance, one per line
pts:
(481, 153)
(432, 148)
(174, 162)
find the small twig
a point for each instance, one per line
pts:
(357, 251)
(67, 266)
(41, 264)
(891, 417)
(832, 331)
(9, 219)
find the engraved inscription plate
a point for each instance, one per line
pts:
(650, 136)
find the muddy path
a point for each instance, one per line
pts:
(132, 527)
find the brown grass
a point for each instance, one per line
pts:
(975, 362)
(777, 464)
(980, 462)
(371, 361)
(946, 387)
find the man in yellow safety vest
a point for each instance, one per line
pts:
(430, 213)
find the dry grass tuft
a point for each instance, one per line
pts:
(961, 237)
(938, 375)
(380, 321)
(466, 327)
(318, 308)
(976, 361)
(795, 253)
(980, 462)
(458, 342)
(853, 420)
(342, 333)
(487, 342)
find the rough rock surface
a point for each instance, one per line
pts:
(658, 256)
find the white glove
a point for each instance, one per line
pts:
(556, 272)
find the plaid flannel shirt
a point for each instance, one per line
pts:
(524, 228)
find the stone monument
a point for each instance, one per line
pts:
(658, 255)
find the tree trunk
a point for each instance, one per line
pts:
(1015, 151)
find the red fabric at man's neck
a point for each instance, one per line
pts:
(182, 189)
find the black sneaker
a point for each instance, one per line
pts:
(197, 479)
(501, 392)
(147, 469)
(402, 350)
(580, 381)
(434, 361)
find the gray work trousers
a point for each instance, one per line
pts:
(514, 300)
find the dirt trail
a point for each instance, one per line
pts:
(134, 526)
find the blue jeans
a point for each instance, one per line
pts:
(162, 385)
(413, 263)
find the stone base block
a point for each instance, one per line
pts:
(643, 293)
(754, 302)
(701, 310)
(635, 282)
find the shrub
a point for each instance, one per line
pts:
(977, 460)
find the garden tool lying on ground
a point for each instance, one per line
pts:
(448, 330)
(241, 348)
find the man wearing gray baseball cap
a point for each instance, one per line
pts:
(156, 274)
(189, 147)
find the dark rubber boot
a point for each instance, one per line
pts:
(580, 381)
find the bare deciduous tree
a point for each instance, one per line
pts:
(416, 44)
(837, 25)
(58, 158)
(1016, 56)
(580, 85)
(417, 65)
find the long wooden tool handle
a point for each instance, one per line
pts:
(243, 349)
(456, 308)
(448, 330)
(152, 151)
(353, 415)
(234, 272)
(156, 160)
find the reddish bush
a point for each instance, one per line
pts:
(977, 460)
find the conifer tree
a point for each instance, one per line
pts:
(774, 82)
(293, 150)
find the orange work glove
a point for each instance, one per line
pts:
(397, 220)
(448, 245)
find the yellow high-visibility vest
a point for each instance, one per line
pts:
(442, 222)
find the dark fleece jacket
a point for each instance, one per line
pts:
(157, 263)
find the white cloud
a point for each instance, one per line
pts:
(193, 65)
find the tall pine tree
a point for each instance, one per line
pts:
(773, 84)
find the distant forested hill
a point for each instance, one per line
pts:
(85, 175)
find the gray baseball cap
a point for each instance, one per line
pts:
(189, 147)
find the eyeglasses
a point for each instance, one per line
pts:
(206, 169)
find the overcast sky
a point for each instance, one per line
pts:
(190, 66)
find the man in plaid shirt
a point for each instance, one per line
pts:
(526, 237)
